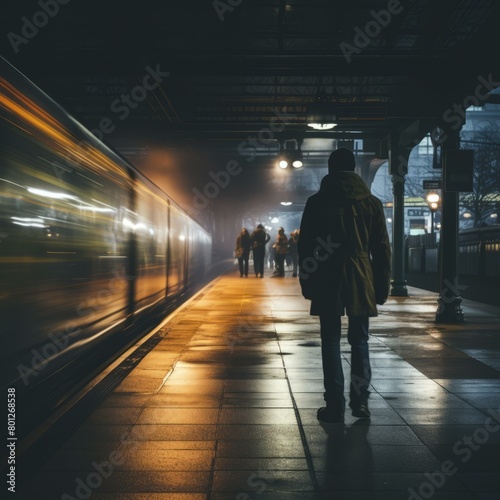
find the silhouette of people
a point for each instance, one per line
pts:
(281, 247)
(258, 240)
(344, 268)
(293, 251)
(242, 251)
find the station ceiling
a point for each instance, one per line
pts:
(232, 71)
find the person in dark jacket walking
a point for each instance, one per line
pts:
(242, 251)
(293, 250)
(259, 240)
(344, 268)
(281, 247)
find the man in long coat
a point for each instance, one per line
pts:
(259, 241)
(344, 262)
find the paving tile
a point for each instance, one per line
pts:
(481, 482)
(474, 455)
(318, 440)
(259, 385)
(114, 415)
(252, 416)
(258, 464)
(263, 481)
(140, 385)
(443, 416)
(125, 400)
(377, 458)
(442, 400)
(277, 447)
(178, 416)
(468, 385)
(204, 387)
(176, 432)
(451, 434)
(258, 432)
(148, 496)
(185, 400)
(380, 416)
(143, 482)
(236, 402)
(369, 481)
(409, 386)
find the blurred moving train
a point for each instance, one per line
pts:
(87, 243)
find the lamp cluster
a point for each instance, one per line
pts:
(433, 200)
(290, 154)
(290, 158)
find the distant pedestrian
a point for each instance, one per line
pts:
(293, 250)
(242, 251)
(258, 242)
(344, 262)
(271, 255)
(281, 247)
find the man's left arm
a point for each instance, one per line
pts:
(305, 248)
(380, 249)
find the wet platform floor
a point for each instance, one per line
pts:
(225, 408)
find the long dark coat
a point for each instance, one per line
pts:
(344, 250)
(242, 245)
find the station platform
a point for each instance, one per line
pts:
(224, 407)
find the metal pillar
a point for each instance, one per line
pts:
(398, 168)
(449, 308)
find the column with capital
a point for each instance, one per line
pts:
(449, 301)
(398, 168)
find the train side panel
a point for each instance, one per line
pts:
(63, 246)
(87, 243)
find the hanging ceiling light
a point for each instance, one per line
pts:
(290, 154)
(321, 113)
(322, 126)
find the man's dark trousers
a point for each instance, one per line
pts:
(357, 336)
(258, 260)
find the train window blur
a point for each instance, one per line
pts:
(151, 241)
(62, 239)
(177, 255)
(88, 245)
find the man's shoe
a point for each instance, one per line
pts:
(361, 411)
(330, 415)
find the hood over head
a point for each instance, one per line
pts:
(343, 186)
